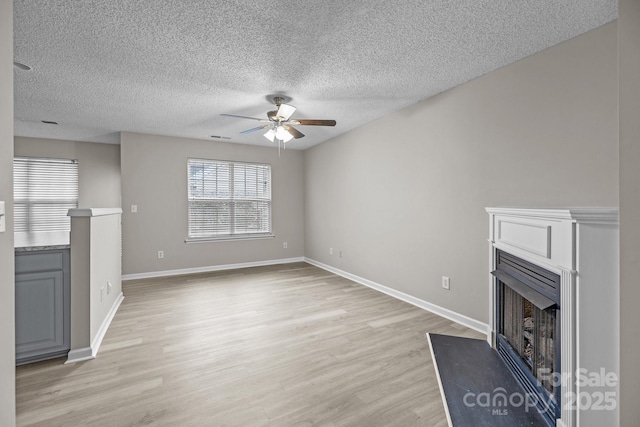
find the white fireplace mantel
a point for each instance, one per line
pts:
(580, 245)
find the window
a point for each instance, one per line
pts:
(228, 199)
(44, 190)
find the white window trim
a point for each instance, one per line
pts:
(191, 240)
(230, 237)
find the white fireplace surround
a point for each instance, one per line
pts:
(581, 245)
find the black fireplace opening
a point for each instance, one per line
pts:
(528, 329)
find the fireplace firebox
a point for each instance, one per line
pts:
(528, 329)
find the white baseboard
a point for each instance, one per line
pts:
(208, 269)
(88, 353)
(79, 355)
(441, 311)
(433, 308)
(97, 340)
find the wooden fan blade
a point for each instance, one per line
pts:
(313, 122)
(255, 129)
(243, 117)
(293, 131)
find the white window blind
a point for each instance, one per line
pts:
(44, 190)
(228, 199)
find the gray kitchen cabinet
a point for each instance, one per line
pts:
(42, 304)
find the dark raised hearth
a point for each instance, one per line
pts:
(472, 373)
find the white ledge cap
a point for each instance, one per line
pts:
(597, 214)
(94, 211)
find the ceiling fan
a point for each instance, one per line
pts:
(280, 124)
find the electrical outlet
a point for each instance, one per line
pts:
(160, 254)
(446, 283)
(134, 208)
(284, 245)
(330, 251)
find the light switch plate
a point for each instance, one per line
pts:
(3, 227)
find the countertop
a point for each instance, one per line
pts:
(42, 248)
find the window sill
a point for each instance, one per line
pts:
(43, 238)
(190, 240)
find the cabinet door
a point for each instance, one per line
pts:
(39, 315)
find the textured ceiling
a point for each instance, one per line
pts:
(172, 67)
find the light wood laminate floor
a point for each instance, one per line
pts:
(285, 345)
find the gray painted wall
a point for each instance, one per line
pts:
(80, 283)
(98, 167)
(154, 176)
(403, 197)
(629, 66)
(7, 282)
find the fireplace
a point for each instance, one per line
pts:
(554, 304)
(528, 328)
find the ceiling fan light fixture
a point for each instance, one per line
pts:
(285, 111)
(270, 135)
(283, 134)
(279, 123)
